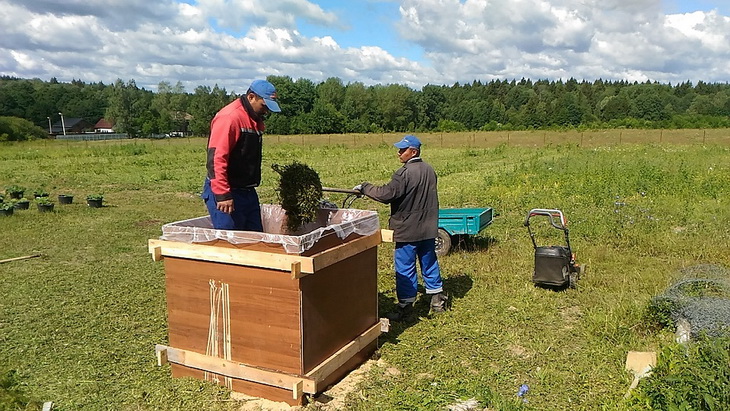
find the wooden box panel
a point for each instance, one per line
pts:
(277, 322)
(339, 302)
(265, 317)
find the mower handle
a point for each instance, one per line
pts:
(551, 214)
(351, 196)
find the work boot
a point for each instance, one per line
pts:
(439, 302)
(401, 313)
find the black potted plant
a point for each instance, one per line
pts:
(15, 191)
(65, 198)
(38, 193)
(22, 204)
(44, 204)
(6, 209)
(95, 200)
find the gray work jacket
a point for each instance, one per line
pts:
(413, 199)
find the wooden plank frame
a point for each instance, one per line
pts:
(297, 384)
(308, 342)
(298, 265)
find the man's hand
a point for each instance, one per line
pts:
(225, 206)
(358, 188)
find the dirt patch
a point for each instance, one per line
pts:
(148, 223)
(518, 351)
(571, 315)
(332, 399)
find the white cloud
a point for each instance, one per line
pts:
(585, 39)
(462, 40)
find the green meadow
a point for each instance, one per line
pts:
(78, 325)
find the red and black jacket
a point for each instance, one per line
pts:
(234, 149)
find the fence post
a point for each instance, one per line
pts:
(704, 135)
(508, 139)
(661, 135)
(620, 136)
(581, 139)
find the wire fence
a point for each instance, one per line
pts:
(476, 139)
(93, 137)
(485, 139)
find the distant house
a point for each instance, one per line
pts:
(73, 125)
(103, 126)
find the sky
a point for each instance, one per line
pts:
(230, 43)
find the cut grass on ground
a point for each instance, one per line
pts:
(78, 326)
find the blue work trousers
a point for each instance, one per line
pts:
(247, 210)
(406, 279)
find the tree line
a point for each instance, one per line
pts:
(332, 107)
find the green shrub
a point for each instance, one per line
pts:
(43, 201)
(691, 377)
(11, 397)
(658, 313)
(14, 189)
(19, 129)
(40, 192)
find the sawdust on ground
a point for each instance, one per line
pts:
(330, 400)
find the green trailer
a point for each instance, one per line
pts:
(460, 221)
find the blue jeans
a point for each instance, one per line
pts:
(247, 211)
(406, 279)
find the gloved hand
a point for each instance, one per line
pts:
(358, 188)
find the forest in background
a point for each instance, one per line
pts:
(334, 107)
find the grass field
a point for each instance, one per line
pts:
(78, 325)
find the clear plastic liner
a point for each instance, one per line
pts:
(341, 222)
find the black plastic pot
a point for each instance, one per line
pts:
(95, 203)
(65, 199)
(45, 208)
(16, 194)
(7, 212)
(22, 205)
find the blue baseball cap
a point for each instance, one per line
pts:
(266, 91)
(409, 141)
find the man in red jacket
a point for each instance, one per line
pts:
(234, 159)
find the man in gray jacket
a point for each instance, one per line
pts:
(414, 210)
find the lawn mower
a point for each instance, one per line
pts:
(555, 266)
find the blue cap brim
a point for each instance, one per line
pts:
(272, 105)
(402, 144)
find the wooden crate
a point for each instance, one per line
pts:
(267, 323)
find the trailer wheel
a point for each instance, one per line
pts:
(443, 242)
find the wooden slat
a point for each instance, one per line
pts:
(25, 257)
(156, 253)
(387, 235)
(296, 270)
(236, 370)
(275, 261)
(337, 359)
(297, 389)
(235, 256)
(338, 253)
